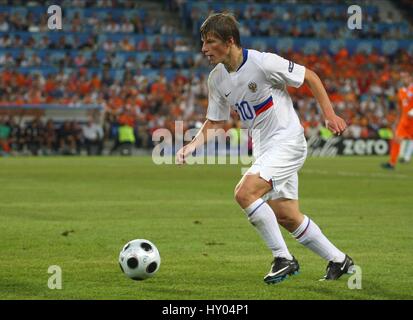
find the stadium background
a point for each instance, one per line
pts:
(135, 66)
(108, 65)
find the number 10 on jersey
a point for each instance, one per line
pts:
(244, 111)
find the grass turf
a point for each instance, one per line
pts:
(77, 213)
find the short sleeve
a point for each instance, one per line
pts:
(280, 70)
(218, 108)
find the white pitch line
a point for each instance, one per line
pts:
(357, 174)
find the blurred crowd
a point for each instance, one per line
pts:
(362, 86)
(38, 138)
(261, 20)
(133, 101)
(126, 43)
(89, 58)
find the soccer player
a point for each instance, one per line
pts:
(404, 129)
(254, 84)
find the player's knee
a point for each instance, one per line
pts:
(239, 195)
(238, 186)
(242, 196)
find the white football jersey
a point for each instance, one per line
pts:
(257, 92)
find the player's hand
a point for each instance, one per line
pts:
(335, 124)
(180, 156)
(183, 153)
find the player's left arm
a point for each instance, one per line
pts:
(333, 122)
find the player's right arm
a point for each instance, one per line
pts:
(200, 139)
(280, 70)
(218, 112)
(332, 121)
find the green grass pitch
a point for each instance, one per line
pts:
(77, 213)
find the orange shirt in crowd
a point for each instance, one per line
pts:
(21, 80)
(84, 87)
(95, 83)
(19, 100)
(116, 102)
(128, 119)
(158, 87)
(49, 86)
(35, 97)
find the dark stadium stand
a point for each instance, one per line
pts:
(141, 62)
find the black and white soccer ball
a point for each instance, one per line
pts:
(139, 259)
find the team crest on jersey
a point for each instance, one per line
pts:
(252, 86)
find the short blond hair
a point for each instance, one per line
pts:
(222, 25)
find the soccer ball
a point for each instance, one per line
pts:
(139, 259)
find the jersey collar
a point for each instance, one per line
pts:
(244, 56)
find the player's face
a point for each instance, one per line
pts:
(215, 49)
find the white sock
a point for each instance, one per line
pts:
(408, 151)
(310, 235)
(263, 219)
(403, 148)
